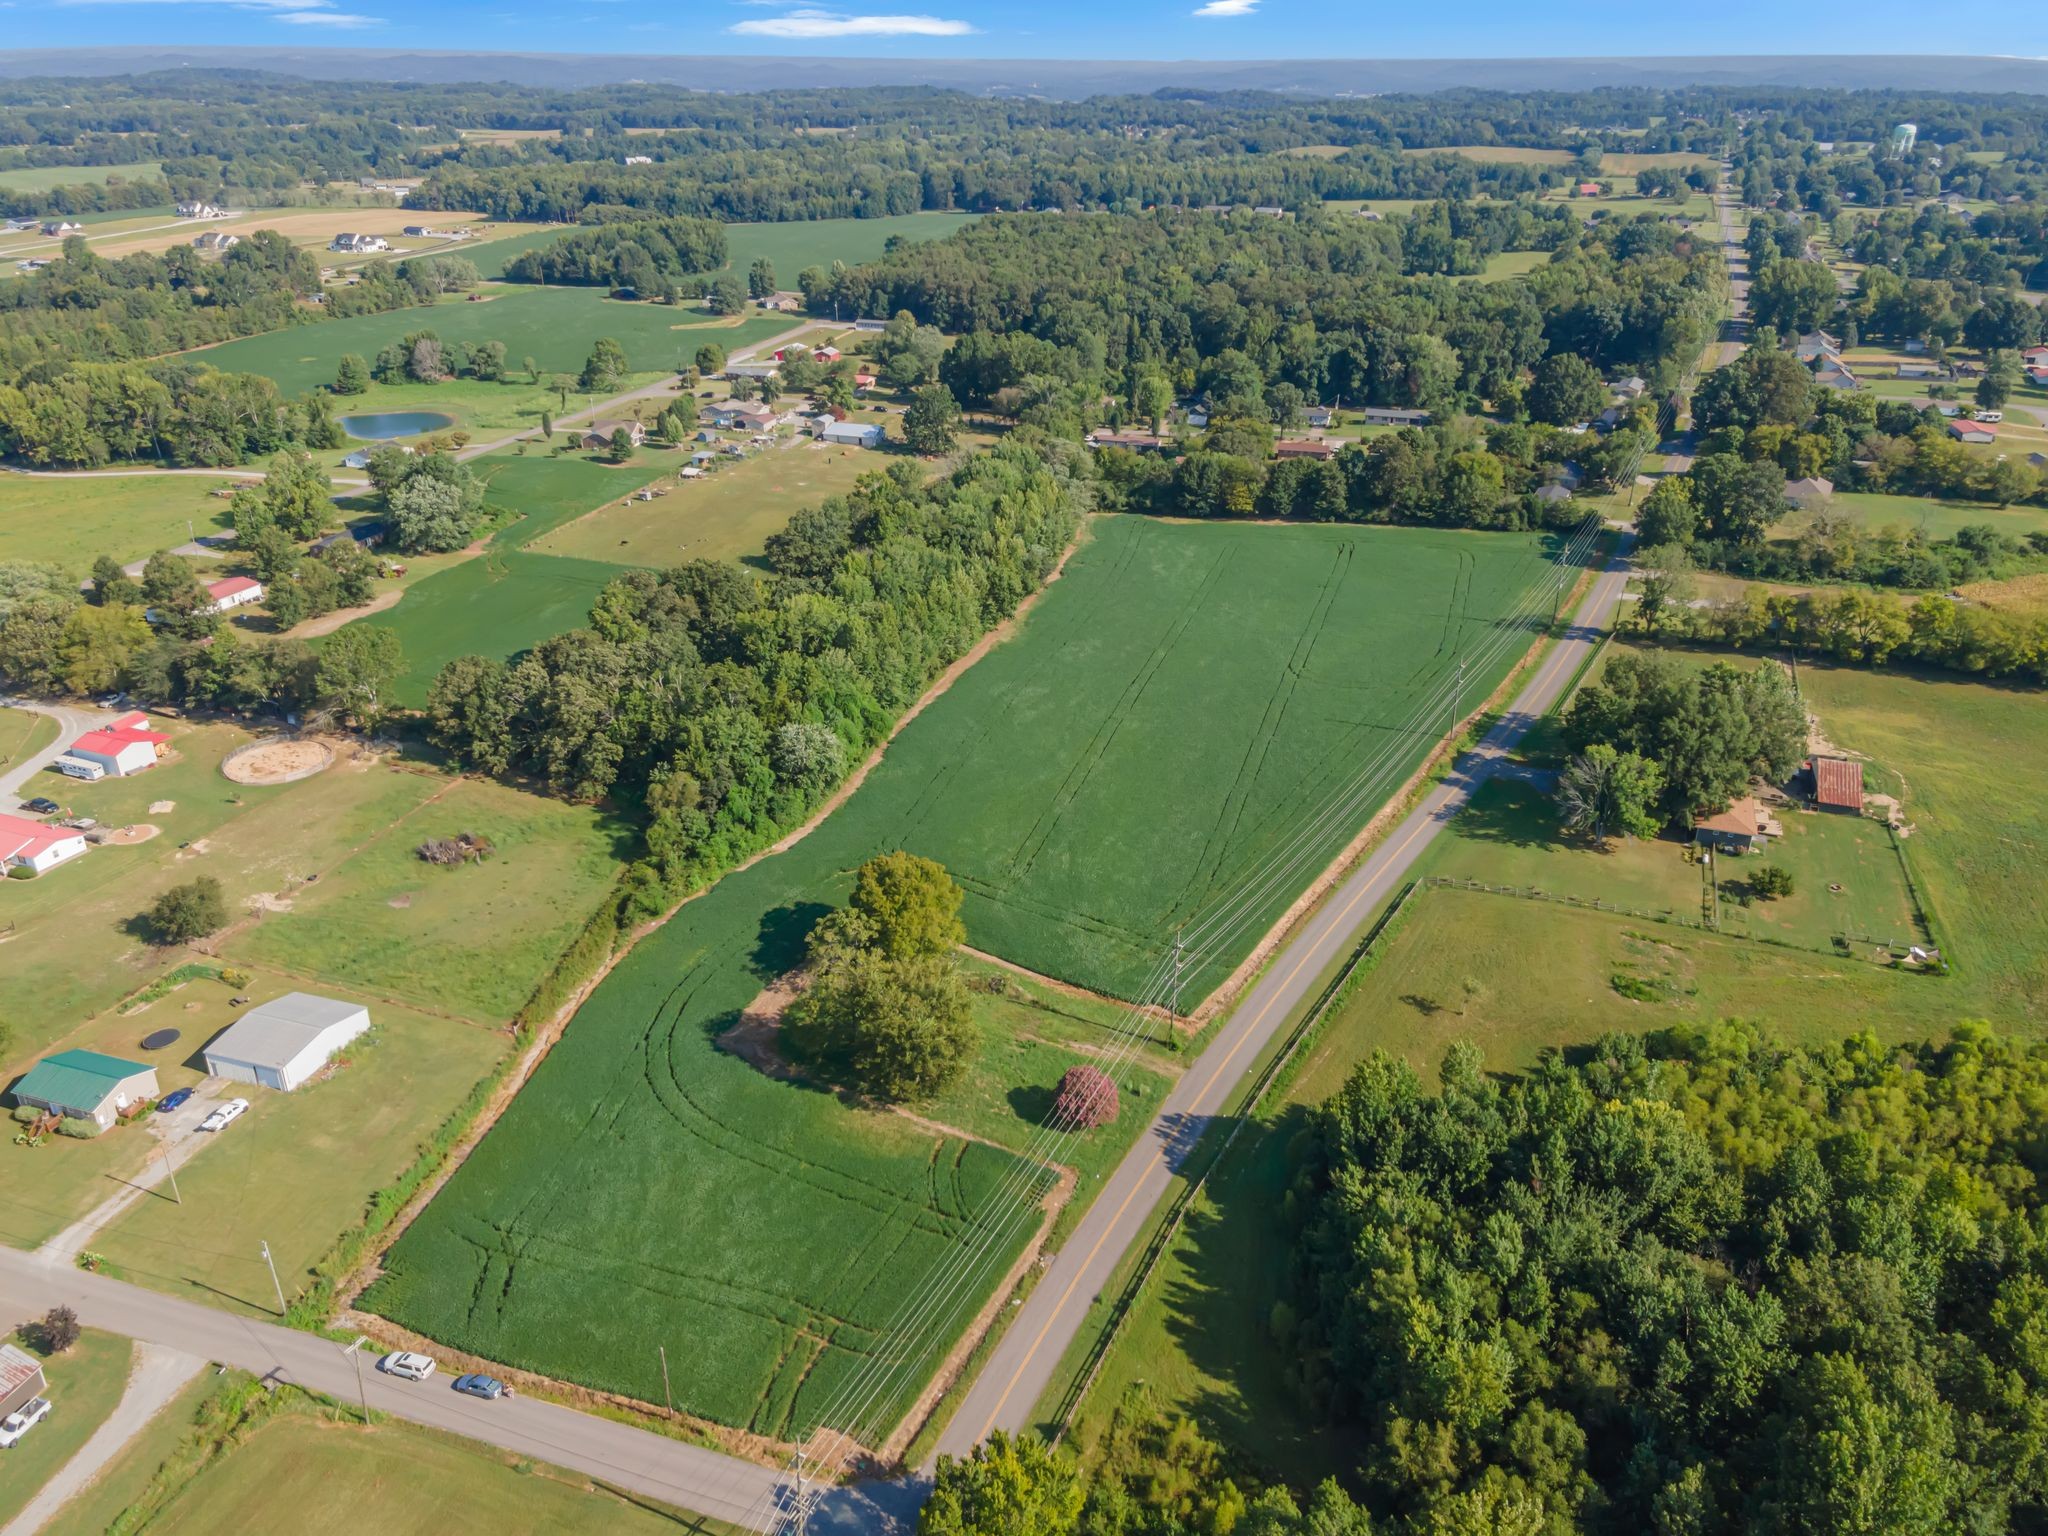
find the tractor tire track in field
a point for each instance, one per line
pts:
(1113, 722)
(1252, 762)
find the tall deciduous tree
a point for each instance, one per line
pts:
(1603, 791)
(1005, 1487)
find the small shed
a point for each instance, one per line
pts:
(85, 1085)
(286, 1040)
(21, 1378)
(1744, 827)
(1838, 784)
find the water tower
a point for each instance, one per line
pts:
(1904, 137)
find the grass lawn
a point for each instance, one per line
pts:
(22, 733)
(1510, 264)
(400, 1480)
(86, 1381)
(472, 940)
(1510, 836)
(44, 178)
(727, 515)
(1934, 518)
(554, 326)
(299, 1168)
(70, 522)
(93, 1509)
(548, 490)
(647, 1185)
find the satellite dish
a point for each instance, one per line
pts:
(158, 1040)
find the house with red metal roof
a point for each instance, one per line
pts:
(21, 1379)
(1838, 784)
(121, 747)
(234, 592)
(36, 845)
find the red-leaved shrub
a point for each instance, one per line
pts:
(1086, 1099)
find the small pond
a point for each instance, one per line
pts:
(379, 425)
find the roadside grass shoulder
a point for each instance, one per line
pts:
(95, 1509)
(23, 732)
(86, 1382)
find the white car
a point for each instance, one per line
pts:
(20, 1422)
(225, 1116)
(407, 1363)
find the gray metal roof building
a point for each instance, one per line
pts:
(286, 1040)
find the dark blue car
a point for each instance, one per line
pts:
(171, 1101)
(482, 1386)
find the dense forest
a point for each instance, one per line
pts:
(1697, 1282)
(644, 256)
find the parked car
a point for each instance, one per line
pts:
(176, 1099)
(22, 1420)
(408, 1364)
(42, 805)
(225, 1116)
(487, 1387)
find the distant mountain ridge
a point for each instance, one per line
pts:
(1058, 78)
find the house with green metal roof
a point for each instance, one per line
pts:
(85, 1085)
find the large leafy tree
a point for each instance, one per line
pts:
(1566, 389)
(910, 905)
(1604, 791)
(1006, 1486)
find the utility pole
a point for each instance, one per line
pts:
(1173, 1015)
(171, 1168)
(803, 1501)
(666, 1396)
(355, 1353)
(274, 1285)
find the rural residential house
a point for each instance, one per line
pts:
(783, 301)
(1816, 345)
(122, 746)
(1389, 416)
(1137, 442)
(234, 592)
(1973, 431)
(1319, 416)
(1303, 448)
(215, 241)
(599, 434)
(1812, 489)
(85, 1085)
(360, 245)
(751, 370)
(37, 845)
(63, 227)
(743, 415)
(201, 211)
(1838, 784)
(858, 434)
(1744, 827)
(21, 1379)
(283, 1042)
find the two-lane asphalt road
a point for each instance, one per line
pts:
(1021, 1367)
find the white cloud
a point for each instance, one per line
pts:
(809, 23)
(303, 13)
(1228, 8)
(345, 20)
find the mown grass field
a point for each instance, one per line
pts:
(86, 1382)
(554, 326)
(800, 243)
(43, 178)
(70, 522)
(326, 897)
(22, 733)
(1934, 518)
(646, 1186)
(727, 515)
(397, 1479)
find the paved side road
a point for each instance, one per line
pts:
(617, 1454)
(73, 721)
(157, 1377)
(1021, 1367)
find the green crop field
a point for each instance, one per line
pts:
(42, 178)
(554, 326)
(1180, 695)
(71, 521)
(500, 604)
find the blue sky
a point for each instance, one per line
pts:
(1129, 29)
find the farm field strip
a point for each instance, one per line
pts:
(646, 1185)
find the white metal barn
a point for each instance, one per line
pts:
(286, 1040)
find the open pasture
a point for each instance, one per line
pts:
(45, 178)
(724, 516)
(1177, 700)
(554, 326)
(68, 522)
(1928, 516)
(800, 243)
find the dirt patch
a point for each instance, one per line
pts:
(193, 849)
(269, 901)
(124, 837)
(400, 902)
(328, 623)
(162, 807)
(279, 761)
(756, 1038)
